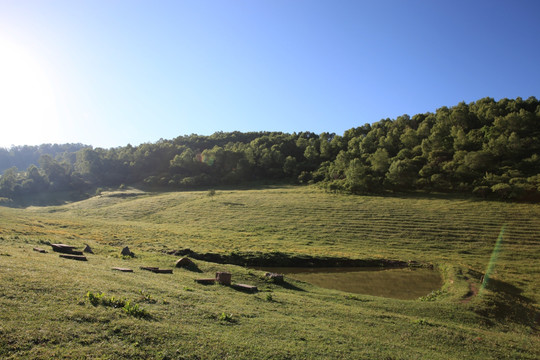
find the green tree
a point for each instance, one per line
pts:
(402, 174)
(380, 161)
(8, 182)
(409, 138)
(36, 182)
(57, 175)
(290, 166)
(358, 179)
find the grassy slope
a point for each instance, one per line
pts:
(44, 313)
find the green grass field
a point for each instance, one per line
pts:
(45, 312)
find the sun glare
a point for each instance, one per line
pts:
(28, 112)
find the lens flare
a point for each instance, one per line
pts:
(493, 259)
(208, 159)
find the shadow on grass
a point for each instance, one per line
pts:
(193, 268)
(45, 199)
(506, 303)
(289, 286)
(503, 287)
(244, 290)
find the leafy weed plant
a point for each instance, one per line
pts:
(135, 310)
(227, 318)
(147, 298)
(129, 307)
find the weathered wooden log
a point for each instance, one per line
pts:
(40, 250)
(63, 246)
(162, 271)
(223, 278)
(205, 281)
(75, 252)
(74, 257)
(245, 287)
(149, 268)
(122, 269)
(277, 278)
(157, 270)
(65, 249)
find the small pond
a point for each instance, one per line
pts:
(396, 283)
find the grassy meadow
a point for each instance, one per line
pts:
(47, 311)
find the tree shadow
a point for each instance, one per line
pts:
(44, 199)
(508, 303)
(503, 287)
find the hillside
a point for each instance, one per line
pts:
(47, 312)
(487, 148)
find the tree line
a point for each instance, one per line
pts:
(488, 148)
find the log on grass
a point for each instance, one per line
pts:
(65, 249)
(162, 271)
(157, 270)
(244, 287)
(74, 257)
(149, 268)
(277, 278)
(208, 281)
(122, 269)
(63, 246)
(75, 252)
(223, 278)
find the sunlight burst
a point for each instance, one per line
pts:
(28, 110)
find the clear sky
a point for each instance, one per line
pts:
(109, 73)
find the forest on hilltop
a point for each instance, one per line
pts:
(488, 148)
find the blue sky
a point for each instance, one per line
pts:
(109, 73)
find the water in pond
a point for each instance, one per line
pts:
(397, 283)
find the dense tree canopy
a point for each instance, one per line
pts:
(487, 148)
